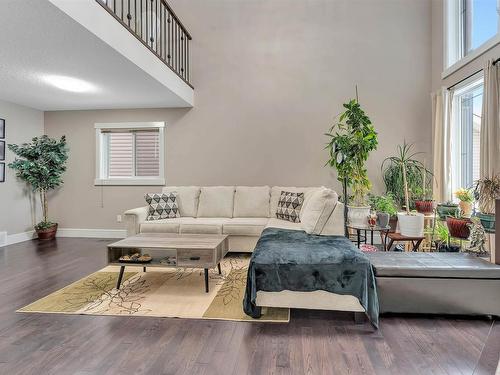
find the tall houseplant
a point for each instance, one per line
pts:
(41, 164)
(411, 224)
(486, 191)
(352, 139)
(418, 177)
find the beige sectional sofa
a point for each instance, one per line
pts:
(241, 212)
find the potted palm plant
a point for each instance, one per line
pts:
(418, 180)
(486, 191)
(352, 139)
(385, 207)
(41, 164)
(411, 224)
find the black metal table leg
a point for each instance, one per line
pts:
(358, 231)
(143, 269)
(206, 280)
(120, 276)
(220, 271)
(371, 238)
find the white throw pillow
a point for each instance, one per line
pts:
(319, 207)
(251, 201)
(187, 198)
(216, 201)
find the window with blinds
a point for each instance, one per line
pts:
(133, 154)
(129, 154)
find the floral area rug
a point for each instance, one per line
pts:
(159, 292)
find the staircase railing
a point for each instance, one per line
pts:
(156, 26)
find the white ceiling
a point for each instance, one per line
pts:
(37, 39)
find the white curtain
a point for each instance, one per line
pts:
(441, 118)
(490, 122)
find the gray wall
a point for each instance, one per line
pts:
(17, 208)
(269, 78)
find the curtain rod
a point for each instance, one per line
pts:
(470, 75)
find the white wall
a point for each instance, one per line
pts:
(269, 78)
(17, 211)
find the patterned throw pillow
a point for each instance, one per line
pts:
(162, 206)
(289, 206)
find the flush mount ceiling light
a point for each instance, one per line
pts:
(69, 83)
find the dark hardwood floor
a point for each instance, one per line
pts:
(314, 342)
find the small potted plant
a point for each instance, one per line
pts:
(411, 223)
(423, 196)
(448, 209)
(458, 227)
(352, 139)
(442, 238)
(466, 199)
(385, 207)
(41, 164)
(486, 191)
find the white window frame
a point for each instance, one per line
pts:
(456, 142)
(101, 152)
(453, 40)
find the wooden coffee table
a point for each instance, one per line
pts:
(171, 250)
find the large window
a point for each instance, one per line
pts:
(466, 127)
(130, 154)
(472, 25)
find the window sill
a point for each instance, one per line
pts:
(130, 182)
(471, 57)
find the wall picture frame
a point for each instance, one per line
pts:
(2, 172)
(2, 128)
(2, 150)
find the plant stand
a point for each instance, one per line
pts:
(398, 237)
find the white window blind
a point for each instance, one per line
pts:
(130, 154)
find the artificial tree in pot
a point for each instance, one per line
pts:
(352, 139)
(411, 223)
(41, 164)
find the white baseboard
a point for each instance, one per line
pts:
(91, 233)
(11, 239)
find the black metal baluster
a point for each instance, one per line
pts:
(187, 69)
(129, 16)
(151, 39)
(135, 16)
(122, 10)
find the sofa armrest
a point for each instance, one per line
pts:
(335, 223)
(134, 218)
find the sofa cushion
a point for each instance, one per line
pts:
(289, 206)
(319, 208)
(283, 224)
(187, 198)
(160, 226)
(162, 206)
(251, 226)
(251, 201)
(216, 201)
(276, 193)
(205, 225)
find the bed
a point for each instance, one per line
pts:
(290, 268)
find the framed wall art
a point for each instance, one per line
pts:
(2, 128)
